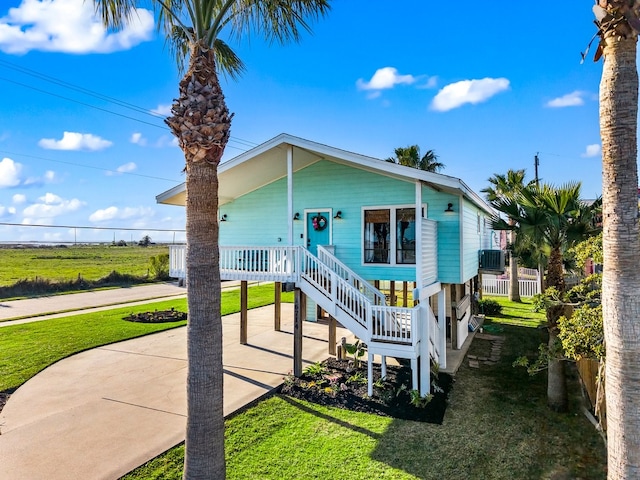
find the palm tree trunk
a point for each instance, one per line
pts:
(514, 284)
(621, 249)
(557, 398)
(201, 122)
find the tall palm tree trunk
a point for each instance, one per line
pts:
(621, 249)
(514, 283)
(557, 397)
(202, 129)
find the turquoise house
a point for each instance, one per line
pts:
(391, 252)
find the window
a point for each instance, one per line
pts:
(377, 225)
(384, 244)
(406, 235)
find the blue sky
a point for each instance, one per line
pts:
(487, 86)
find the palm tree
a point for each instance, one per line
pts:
(410, 157)
(554, 220)
(619, 24)
(505, 187)
(201, 122)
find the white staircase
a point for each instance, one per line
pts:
(401, 332)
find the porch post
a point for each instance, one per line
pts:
(454, 316)
(290, 193)
(405, 293)
(298, 317)
(442, 322)
(243, 312)
(277, 302)
(332, 335)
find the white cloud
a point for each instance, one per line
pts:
(75, 141)
(457, 94)
(593, 150)
(69, 26)
(115, 213)
(431, 82)
(19, 198)
(164, 110)
(384, 78)
(138, 139)
(10, 173)
(167, 141)
(127, 167)
(50, 206)
(50, 176)
(573, 99)
(7, 211)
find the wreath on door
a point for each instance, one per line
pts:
(319, 222)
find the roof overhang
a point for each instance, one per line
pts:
(267, 163)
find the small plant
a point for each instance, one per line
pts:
(289, 379)
(418, 400)
(539, 302)
(380, 382)
(315, 370)
(159, 266)
(357, 377)
(357, 350)
(489, 307)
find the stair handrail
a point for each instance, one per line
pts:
(355, 280)
(347, 297)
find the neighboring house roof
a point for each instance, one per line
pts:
(267, 163)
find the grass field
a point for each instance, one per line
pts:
(66, 263)
(497, 426)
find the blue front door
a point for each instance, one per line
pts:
(318, 229)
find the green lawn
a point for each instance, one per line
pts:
(66, 263)
(497, 426)
(30, 347)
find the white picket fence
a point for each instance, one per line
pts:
(492, 285)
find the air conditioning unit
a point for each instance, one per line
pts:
(492, 260)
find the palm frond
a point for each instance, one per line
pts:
(278, 21)
(115, 13)
(227, 61)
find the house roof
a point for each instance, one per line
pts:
(267, 163)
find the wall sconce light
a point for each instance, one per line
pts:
(338, 214)
(223, 218)
(296, 216)
(449, 208)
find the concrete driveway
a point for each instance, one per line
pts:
(101, 413)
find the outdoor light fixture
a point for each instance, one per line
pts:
(449, 208)
(338, 214)
(223, 218)
(296, 216)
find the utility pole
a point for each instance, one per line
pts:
(536, 162)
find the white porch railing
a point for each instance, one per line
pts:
(500, 287)
(178, 261)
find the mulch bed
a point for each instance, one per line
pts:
(157, 316)
(343, 386)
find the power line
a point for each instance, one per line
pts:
(92, 93)
(84, 227)
(89, 166)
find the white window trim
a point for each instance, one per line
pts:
(393, 241)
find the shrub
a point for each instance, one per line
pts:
(159, 266)
(489, 307)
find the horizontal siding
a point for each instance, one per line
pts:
(448, 232)
(260, 217)
(471, 239)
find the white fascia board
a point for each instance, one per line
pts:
(172, 192)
